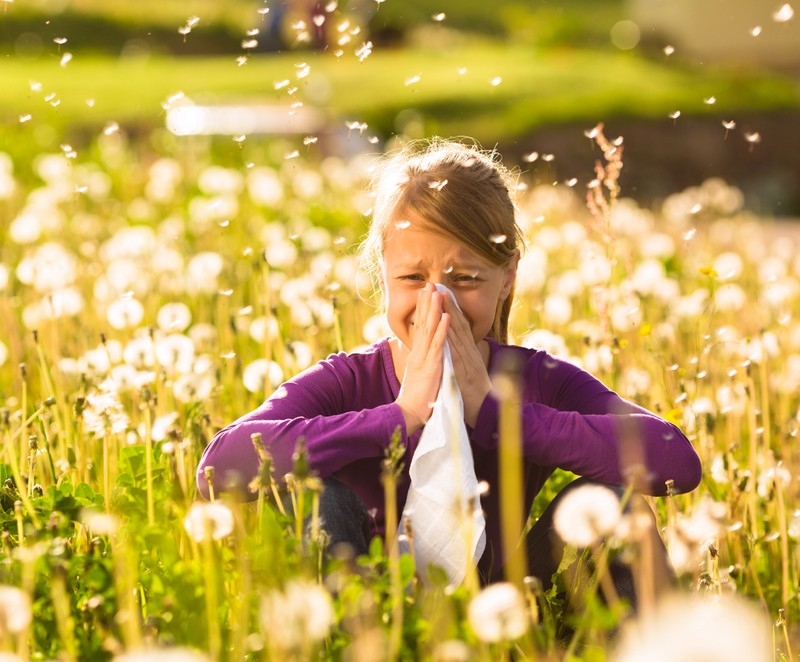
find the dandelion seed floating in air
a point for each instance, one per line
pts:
(110, 129)
(249, 44)
(729, 125)
(669, 50)
(413, 80)
(674, 115)
(438, 185)
(710, 101)
(497, 80)
(756, 31)
(752, 138)
(439, 17)
(24, 118)
(784, 14)
(356, 126)
(364, 51)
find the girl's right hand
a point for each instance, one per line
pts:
(423, 366)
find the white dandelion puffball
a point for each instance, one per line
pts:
(302, 611)
(262, 374)
(208, 520)
(177, 654)
(174, 316)
(15, 609)
(498, 613)
(125, 313)
(687, 627)
(586, 514)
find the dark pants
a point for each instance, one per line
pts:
(347, 525)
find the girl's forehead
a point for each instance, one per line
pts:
(418, 246)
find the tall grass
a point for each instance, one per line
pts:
(150, 298)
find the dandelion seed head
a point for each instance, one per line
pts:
(784, 14)
(498, 613)
(174, 316)
(15, 610)
(301, 612)
(689, 627)
(262, 375)
(99, 523)
(205, 521)
(162, 654)
(125, 313)
(586, 514)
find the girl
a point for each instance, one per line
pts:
(444, 214)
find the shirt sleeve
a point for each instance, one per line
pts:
(572, 421)
(318, 406)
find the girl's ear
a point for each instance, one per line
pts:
(510, 274)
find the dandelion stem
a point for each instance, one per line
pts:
(21, 483)
(212, 598)
(64, 621)
(511, 488)
(148, 463)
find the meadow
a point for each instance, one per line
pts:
(154, 287)
(151, 297)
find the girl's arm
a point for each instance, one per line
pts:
(316, 406)
(573, 421)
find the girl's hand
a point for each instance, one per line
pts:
(423, 367)
(468, 363)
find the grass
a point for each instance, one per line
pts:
(485, 89)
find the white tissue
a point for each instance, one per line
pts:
(443, 504)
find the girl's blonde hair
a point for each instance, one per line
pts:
(461, 191)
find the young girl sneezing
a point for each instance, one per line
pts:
(444, 215)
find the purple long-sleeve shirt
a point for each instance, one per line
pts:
(344, 407)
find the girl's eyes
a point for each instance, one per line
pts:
(465, 279)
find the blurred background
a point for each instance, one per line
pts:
(696, 89)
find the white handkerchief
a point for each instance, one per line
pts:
(443, 504)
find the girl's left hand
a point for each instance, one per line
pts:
(472, 375)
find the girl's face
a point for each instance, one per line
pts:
(413, 256)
